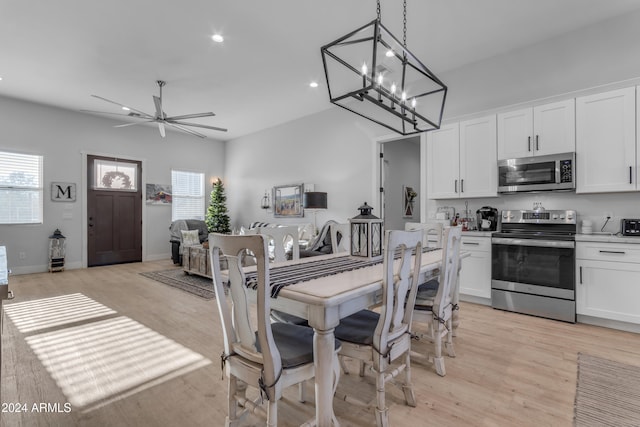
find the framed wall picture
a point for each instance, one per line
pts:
(287, 200)
(63, 192)
(409, 199)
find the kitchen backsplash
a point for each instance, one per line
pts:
(594, 207)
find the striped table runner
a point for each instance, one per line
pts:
(290, 274)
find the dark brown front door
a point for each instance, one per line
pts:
(114, 211)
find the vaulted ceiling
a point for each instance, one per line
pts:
(60, 52)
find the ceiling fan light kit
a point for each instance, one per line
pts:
(371, 73)
(161, 117)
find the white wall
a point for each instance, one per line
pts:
(332, 150)
(61, 136)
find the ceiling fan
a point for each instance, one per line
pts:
(160, 116)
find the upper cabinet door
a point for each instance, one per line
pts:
(443, 155)
(515, 130)
(478, 163)
(606, 158)
(554, 128)
(538, 131)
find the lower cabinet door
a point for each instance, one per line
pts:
(475, 275)
(610, 290)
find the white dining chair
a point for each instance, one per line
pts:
(257, 353)
(340, 237)
(279, 237)
(378, 339)
(435, 307)
(432, 237)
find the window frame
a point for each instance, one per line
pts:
(176, 197)
(8, 157)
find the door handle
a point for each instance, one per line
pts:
(455, 186)
(90, 221)
(630, 174)
(462, 185)
(581, 275)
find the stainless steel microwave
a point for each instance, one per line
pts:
(539, 173)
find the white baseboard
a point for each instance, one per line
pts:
(158, 257)
(607, 323)
(474, 299)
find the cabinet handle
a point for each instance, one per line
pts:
(581, 275)
(537, 143)
(455, 186)
(471, 243)
(630, 175)
(462, 185)
(529, 143)
(613, 252)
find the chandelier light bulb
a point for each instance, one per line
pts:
(389, 53)
(404, 96)
(393, 88)
(380, 78)
(364, 69)
(413, 103)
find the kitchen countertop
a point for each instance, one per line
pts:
(477, 233)
(606, 238)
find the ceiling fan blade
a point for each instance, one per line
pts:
(132, 124)
(196, 125)
(190, 116)
(158, 102)
(106, 112)
(161, 128)
(184, 129)
(142, 113)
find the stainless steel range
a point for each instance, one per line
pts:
(533, 263)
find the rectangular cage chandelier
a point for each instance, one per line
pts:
(371, 73)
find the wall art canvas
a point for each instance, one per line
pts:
(158, 194)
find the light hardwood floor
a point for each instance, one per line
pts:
(510, 369)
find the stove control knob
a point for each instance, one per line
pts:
(555, 216)
(569, 216)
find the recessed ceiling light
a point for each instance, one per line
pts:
(0, 77)
(217, 38)
(313, 84)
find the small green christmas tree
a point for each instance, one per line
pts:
(217, 219)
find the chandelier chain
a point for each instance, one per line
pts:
(378, 9)
(404, 23)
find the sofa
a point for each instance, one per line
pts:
(175, 239)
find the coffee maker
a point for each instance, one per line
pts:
(487, 218)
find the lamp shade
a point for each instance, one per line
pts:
(314, 200)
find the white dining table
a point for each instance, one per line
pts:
(324, 301)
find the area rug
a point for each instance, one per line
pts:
(607, 394)
(177, 278)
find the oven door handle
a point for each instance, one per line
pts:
(533, 242)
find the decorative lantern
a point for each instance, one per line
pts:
(56, 251)
(366, 234)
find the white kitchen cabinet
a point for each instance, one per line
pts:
(606, 157)
(462, 160)
(443, 159)
(475, 275)
(541, 130)
(608, 281)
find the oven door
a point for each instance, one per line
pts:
(532, 266)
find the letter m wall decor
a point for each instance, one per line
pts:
(63, 192)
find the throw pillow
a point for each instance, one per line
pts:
(190, 237)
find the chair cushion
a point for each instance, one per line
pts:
(280, 316)
(428, 290)
(358, 328)
(295, 344)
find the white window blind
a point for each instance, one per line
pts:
(21, 189)
(187, 199)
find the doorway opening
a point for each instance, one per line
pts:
(400, 181)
